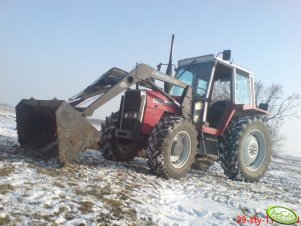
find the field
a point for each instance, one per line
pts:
(94, 191)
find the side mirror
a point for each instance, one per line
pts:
(227, 55)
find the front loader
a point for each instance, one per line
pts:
(50, 128)
(207, 110)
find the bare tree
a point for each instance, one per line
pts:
(281, 108)
(222, 91)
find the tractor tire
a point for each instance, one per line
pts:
(245, 149)
(113, 148)
(167, 157)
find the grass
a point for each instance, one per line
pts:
(95, 191)
(118, 208)
(116, 199)
(123, 196)
(69, 216)
(5, 188)
(85, 207)
(46, 206)
(61, 210)
(4, 172)
(38, 216)
(53, 172)
(58, 184)
(69, 170)
(4, 220)
(49, 219)
(50, 172)
(73, 170)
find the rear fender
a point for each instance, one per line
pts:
(230, 112)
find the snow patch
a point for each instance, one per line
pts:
(93, 190)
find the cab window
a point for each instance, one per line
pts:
(242, 87)
(187, 77)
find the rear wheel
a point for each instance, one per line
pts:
(246, 149)
(172, 147)
(113, 148)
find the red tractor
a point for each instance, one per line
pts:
(206, 109)
(213, 115)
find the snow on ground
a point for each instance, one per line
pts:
(95, 191)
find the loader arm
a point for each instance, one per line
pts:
(115, 81)
(51, 128)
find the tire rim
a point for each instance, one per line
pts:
(125, 146)
(254, 150)
(180, 149)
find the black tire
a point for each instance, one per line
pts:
(163, 140)
(246, 149)
(116, 149)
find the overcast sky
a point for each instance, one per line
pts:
(56, 48)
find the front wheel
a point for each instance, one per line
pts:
(117, 149)
(246, 149)
(172, 147)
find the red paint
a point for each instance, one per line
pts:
(230, 112)
(212, 131)
(154, 110)
(251, 108)
(157, 104)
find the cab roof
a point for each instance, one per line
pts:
(210, 57)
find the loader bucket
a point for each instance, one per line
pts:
(51, 128)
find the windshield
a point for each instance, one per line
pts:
(196, 75)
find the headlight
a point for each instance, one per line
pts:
(135, 115)
(126, 115)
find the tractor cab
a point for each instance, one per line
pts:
(217, 85)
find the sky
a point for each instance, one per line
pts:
(57, 48)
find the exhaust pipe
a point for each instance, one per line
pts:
(169, 65)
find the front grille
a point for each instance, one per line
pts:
(132, 103)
